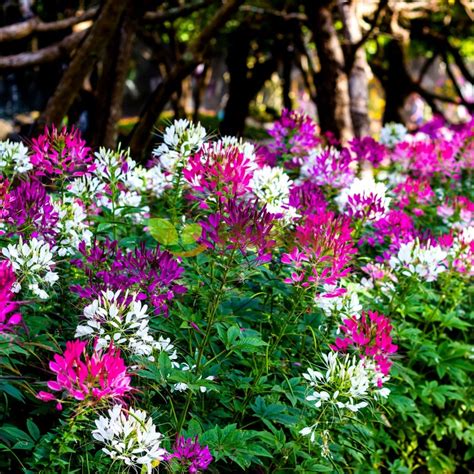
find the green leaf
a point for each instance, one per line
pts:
(33, 429)
(191, 233)
(163, 231)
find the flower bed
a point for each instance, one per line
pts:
(298, 307)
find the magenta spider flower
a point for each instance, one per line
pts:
(414, 192)
(8, 317)
(150, 273)
(91, 378)
(370, 336)
(61, 152)
(242, 226)
(308, 198)
(32, 212)
(219, 170)
(323, 251)
(6, 199)
(189, 453)
(368, 149)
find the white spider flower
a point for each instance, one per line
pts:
(424, 260)
(89, 188)
(72, 227)
(272, 187)
(392, 133)
(32, 263)
(346, 305)
(110, 319)
(181, 140)
(130, 436)
(344, 383)
(14, 157)
(113, 166)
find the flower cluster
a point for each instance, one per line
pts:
(90, 378)
(8, 315)
(370, 336)
(130, 436)
(189, 453)
(60, 152)
(33, 265)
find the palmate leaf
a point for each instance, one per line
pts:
(240, 446)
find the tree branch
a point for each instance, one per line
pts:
(48, 54)
(83, 61)
(141, 134)
(382, 4)
(35, 25)
(177, 12)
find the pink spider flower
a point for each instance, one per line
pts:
(370, 336)
(368, 149)
(84, 377)
(6, 199)
(219, 170)
(8, 317)
(414, 191)
(61, 152)
(323, 251)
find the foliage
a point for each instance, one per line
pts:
(238, 308)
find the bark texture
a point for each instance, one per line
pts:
(356, 67)
(332, 100)
(84, 60)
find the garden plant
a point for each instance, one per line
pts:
(300, 305)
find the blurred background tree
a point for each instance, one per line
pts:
(116, 68)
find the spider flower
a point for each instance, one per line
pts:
(219, 170)
(60, 153)
(130, 436)
(328, 167)
(323, 250)
(189, 453)
(242, 226)
(370, 336)
(8, 317)
(32, 213)
(84, 377)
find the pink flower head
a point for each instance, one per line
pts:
(370, 336)
(308, 198)
(6, 199)
(60, 152)
(190, 454)
(7, 306)
(324, 248)
(100, 376)
(414, 192)
(219, 170)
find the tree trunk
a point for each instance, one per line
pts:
(84, 60)
(332, 100)
(110, 96)
(141, 133)
(357, 68)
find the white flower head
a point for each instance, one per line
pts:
(272, 187)
(392, 133)
(130, 436)
(365, 197)
(33, 264)
(180, 141)
(14, 157)
(424, 260)
(111, 318)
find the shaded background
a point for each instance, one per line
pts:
(120, 69)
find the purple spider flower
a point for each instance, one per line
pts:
(191, 454)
